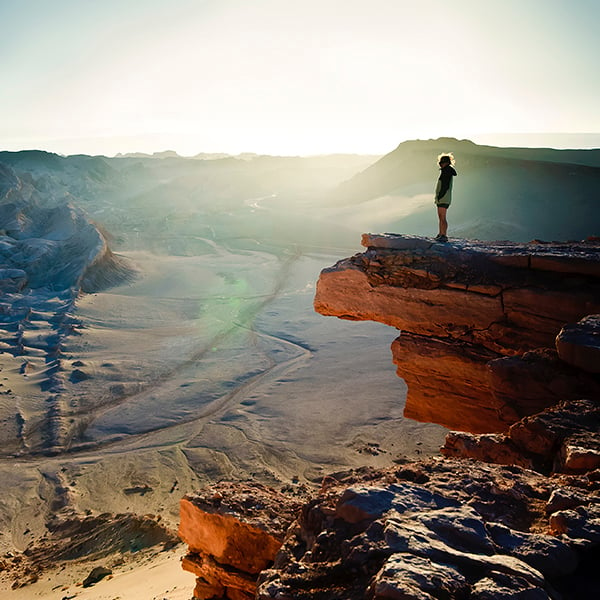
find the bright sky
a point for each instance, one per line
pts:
(291, 76)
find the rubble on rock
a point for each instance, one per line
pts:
(441, 528)
(462, 308)
(430, 529)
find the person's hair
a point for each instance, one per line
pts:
(446, 157)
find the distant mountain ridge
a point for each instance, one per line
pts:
(415, 158)
(516, 194)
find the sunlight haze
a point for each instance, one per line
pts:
(283, 77)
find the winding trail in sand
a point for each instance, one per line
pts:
(206, 368)
(168, 381)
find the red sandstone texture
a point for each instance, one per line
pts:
(451, 528)
(233, 531)
(441, 528)
(514, 513)
(561, 439)
(462, 307)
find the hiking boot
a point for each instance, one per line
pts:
(441, 238)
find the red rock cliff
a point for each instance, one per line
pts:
(473, 316)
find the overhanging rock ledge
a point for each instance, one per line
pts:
(478, 321)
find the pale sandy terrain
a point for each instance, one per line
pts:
(205, 368)
(210, 365)
(150, 576)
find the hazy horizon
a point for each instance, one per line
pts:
(558, 141)
(282, 78)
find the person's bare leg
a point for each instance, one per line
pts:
(443, 223)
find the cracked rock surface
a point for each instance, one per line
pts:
(440, 529)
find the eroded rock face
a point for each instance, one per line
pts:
(460, 307)
(448, 383)
(529, 383)
(439, 528)
(561, 439)
(233, 532)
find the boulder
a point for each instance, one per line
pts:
(415, 578)
(564, 498)
(490, 447)
(546, 553)
(579, 344)
(581, 524)
(96, 575)
(563, 439)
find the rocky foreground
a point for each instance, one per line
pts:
(500, 342)
(440, 528)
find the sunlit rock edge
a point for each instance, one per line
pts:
(510, 512)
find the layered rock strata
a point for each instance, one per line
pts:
(233, 532)
(463, 308)
(73, 538)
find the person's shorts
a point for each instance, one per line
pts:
(443, 205)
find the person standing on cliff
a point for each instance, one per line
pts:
(443, 193)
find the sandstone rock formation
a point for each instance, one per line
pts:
(463, 307)
(441, 528)
(478, 326)
(561, 439)
(233, 533)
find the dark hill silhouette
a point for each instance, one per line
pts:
(33, 159)
(513, 193)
